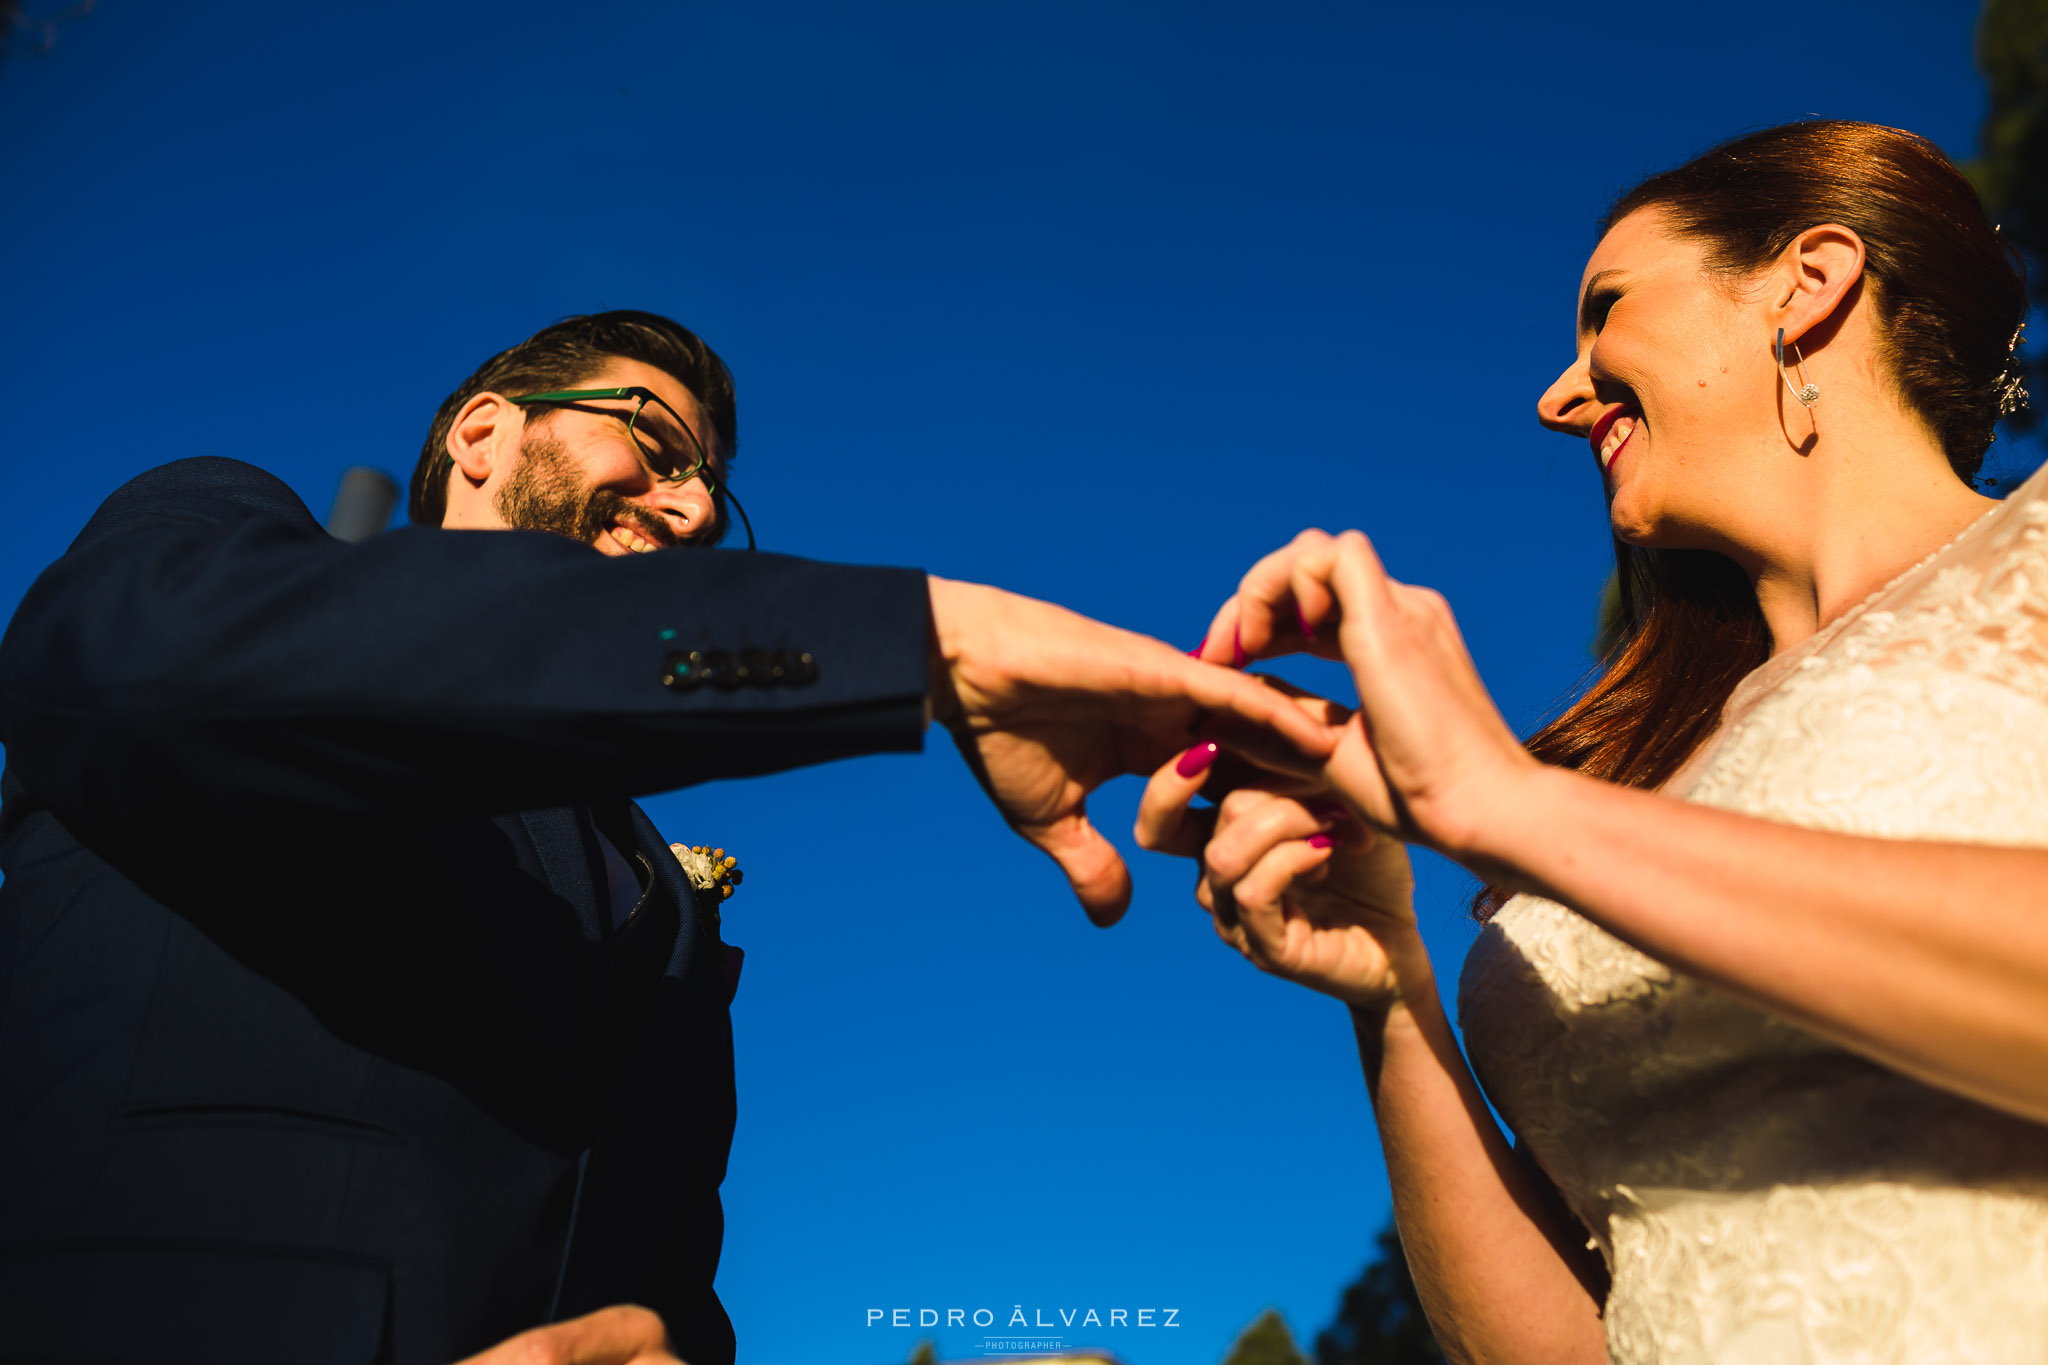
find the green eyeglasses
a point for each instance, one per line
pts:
(660, 465)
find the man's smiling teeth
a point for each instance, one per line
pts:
(1621, 430)
(633, 540)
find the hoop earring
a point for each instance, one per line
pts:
(1806, 395)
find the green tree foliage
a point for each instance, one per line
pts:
(1266, 1342)
(2011, 169)
(1379, 1319)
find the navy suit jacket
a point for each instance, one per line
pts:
(316, 1040)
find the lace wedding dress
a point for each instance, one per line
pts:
(1761, 1195)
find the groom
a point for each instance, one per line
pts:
(353, 1011)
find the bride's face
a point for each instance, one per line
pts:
(1673, 387)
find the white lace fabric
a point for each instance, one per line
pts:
(1761, 1195)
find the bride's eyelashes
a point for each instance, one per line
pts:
(1599, 304)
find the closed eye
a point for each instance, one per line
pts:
(1602, 293)
(1593, 313)
(668, 450)
(658, 455)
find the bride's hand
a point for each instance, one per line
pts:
(1428, 755)
(1296, 885)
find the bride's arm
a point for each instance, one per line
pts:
(1502, 1270)
(1929, 958)
(1505, 1277)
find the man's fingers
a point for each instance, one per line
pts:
(1265, 715)
(1354, 771)
(1320, 709)
(624, 1334)
(1094, 869)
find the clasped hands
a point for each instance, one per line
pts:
(1303, 864)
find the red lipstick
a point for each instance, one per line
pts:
(1599, 432)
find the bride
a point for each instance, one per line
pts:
(1763, 989)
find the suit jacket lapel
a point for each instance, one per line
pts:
(673, 883)
(568, 853)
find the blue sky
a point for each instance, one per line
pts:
(1096, 302)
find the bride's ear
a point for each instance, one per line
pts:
(1813, 283)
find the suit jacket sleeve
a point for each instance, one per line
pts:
(205, 644)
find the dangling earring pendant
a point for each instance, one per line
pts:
(1806, 395)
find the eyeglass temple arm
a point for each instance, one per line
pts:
(566, 395)
(743, 517)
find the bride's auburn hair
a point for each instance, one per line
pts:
(1947, 296)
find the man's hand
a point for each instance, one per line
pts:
(1047, 705)
(624, 1334)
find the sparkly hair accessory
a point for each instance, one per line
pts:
(2012, 388)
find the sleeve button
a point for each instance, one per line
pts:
(756, 668)
(719, 669)
(683, 670)
(798, 667)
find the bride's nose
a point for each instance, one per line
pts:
(1568, 404)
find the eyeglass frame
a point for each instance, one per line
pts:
(700, 470)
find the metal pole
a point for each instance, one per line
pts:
(363, 503)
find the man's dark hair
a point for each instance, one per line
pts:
(564, 356)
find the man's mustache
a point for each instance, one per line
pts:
(607, 507)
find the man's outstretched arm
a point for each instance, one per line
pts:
(205, 645)
(204, 650)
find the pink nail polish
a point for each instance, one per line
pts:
(1196, 759)
(1238, 658)
(1303, 622)
(1320, 841)
(1196, 652)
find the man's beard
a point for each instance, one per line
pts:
(547, 493)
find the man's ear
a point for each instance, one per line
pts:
(1814, 281)
(484, 437)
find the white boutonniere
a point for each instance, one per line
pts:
(712, 871)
